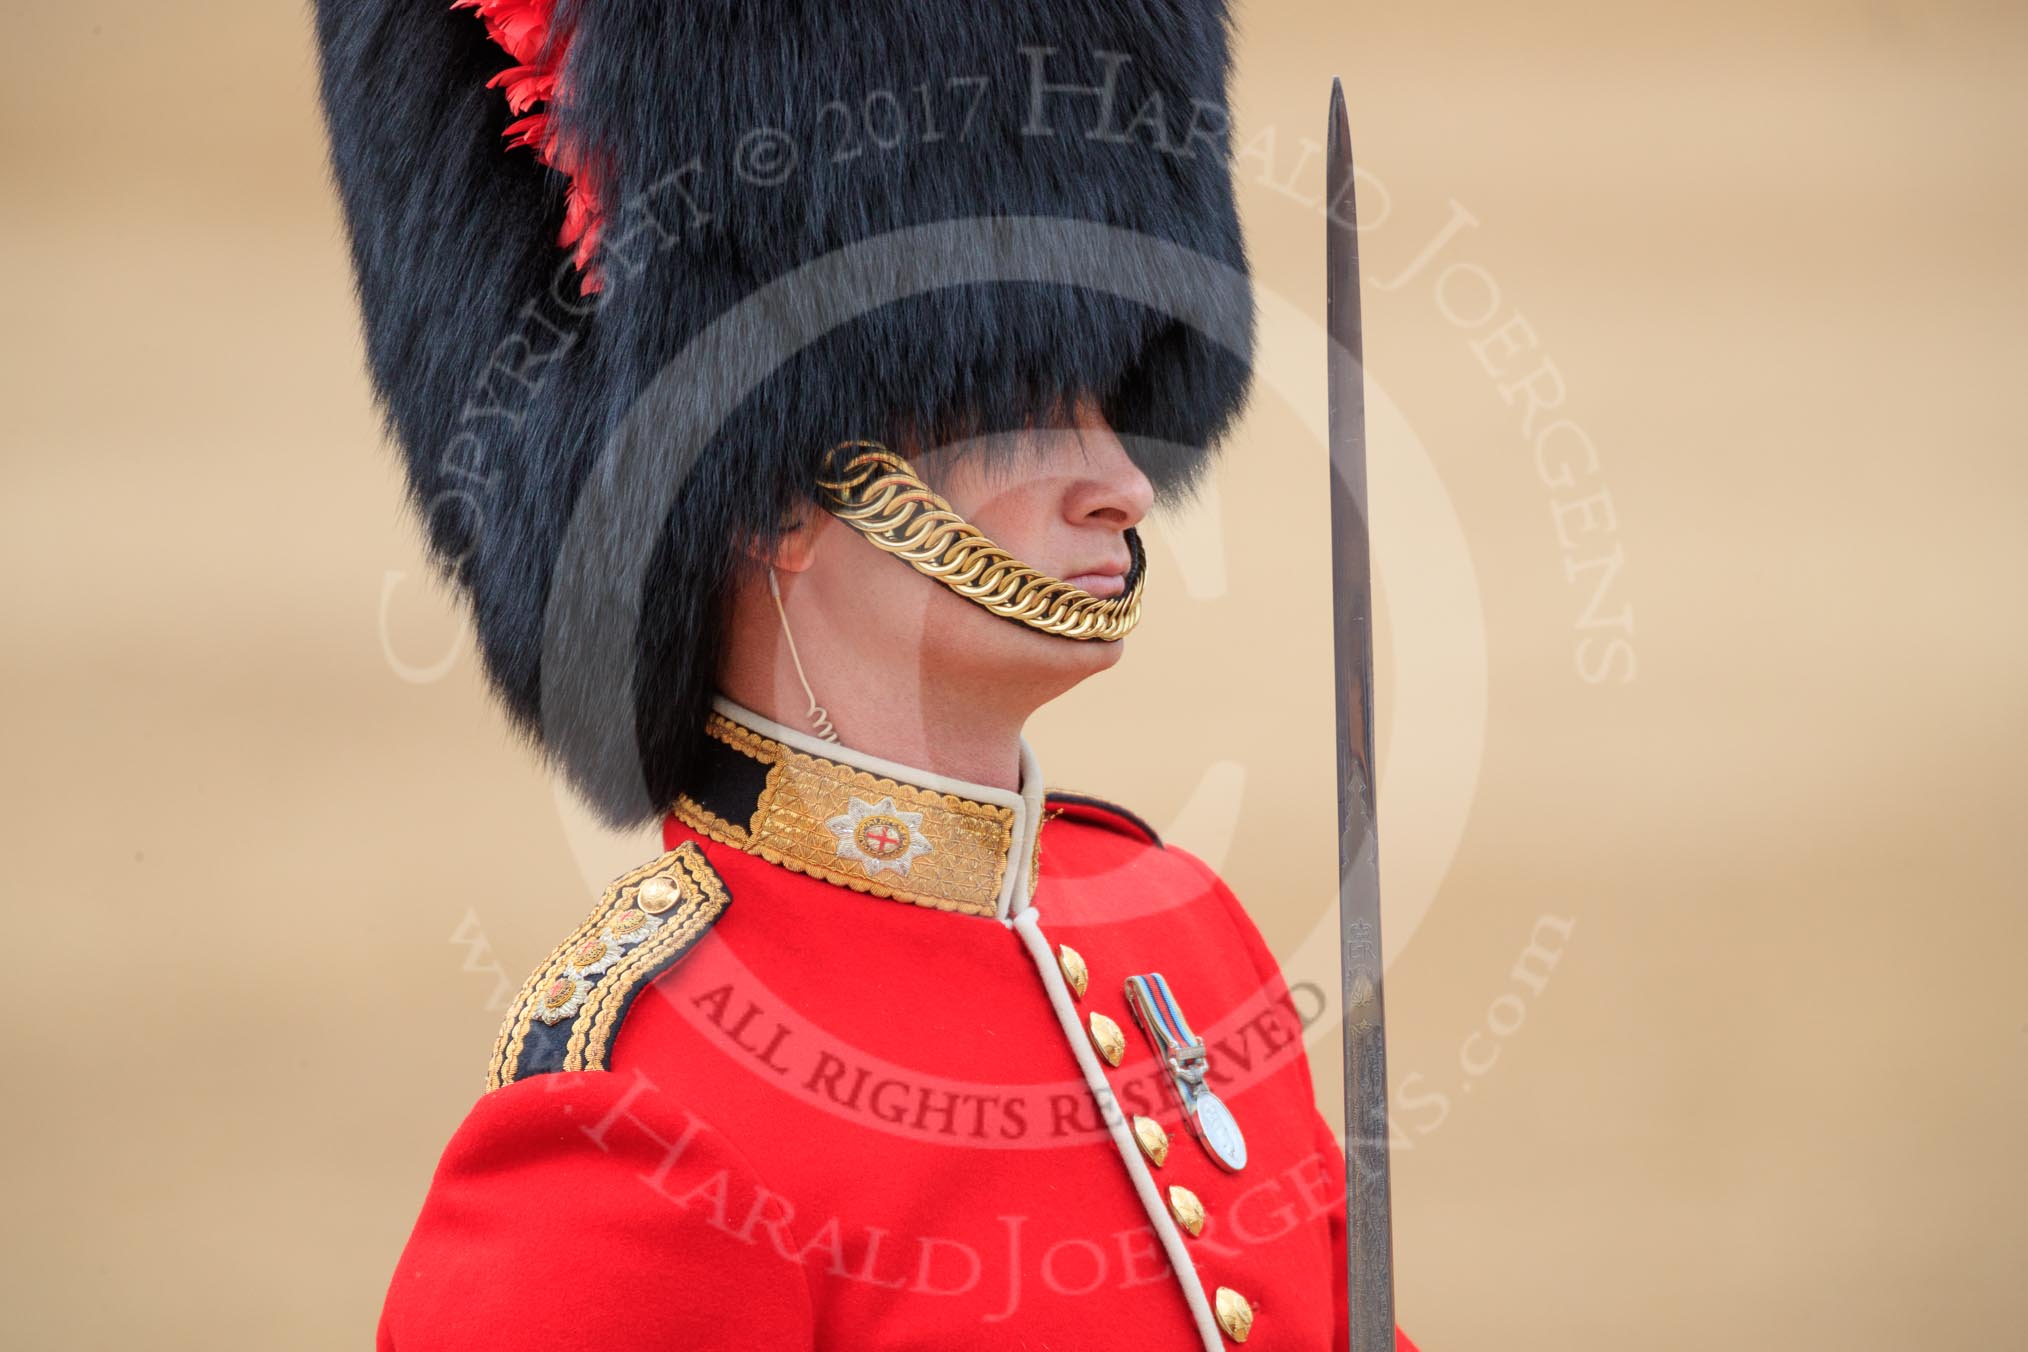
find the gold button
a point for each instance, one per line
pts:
(656, 894)
(1235, 1316)
(1154, 1141)
(1189, 1212)
(1073, 968)
(1107, 1037)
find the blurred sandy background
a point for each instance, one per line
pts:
(261, 823)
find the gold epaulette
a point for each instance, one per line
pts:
(567, 1015)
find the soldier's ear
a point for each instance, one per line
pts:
(794, 543)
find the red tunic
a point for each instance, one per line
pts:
(831, 1118)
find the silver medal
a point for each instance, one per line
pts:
(1183, 1053)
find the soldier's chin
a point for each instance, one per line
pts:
(1014, 656)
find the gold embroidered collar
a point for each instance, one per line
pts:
(864, 822)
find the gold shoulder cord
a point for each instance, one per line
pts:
(679, 896)
(879, 494)
(702, 898)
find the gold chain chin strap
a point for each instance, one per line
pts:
(879, 494)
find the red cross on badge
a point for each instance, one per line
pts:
(882, 837)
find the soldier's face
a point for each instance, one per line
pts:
(1061, 504)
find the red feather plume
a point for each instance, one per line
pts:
(526, 31)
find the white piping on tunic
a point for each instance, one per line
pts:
(1028, 925)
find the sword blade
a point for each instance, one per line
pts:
(1368, 1218)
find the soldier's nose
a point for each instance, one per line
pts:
(1107, 486)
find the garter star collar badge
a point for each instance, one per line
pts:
(879, 836)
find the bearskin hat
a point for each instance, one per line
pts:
(629, 268)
